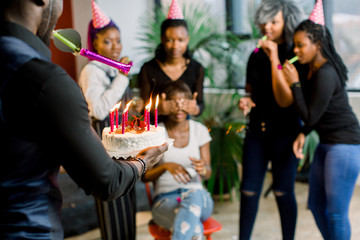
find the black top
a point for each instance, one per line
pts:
(323, 105)
(267, 116)
(153, 78)
(47, 125)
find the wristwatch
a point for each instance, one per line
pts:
(295, 84)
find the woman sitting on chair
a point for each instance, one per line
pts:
(181, 203)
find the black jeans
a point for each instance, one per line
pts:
(259, 149)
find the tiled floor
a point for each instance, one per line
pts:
(267, 224)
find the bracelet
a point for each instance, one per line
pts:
(144, 167)
(295, 84)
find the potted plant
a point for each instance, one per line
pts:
(227, 129)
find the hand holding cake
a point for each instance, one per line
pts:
(152, 155)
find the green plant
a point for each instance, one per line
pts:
(226, 128)
(311, 142)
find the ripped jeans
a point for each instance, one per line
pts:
(182, 211)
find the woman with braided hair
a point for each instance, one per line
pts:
(322, 103)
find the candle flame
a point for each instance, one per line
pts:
(127, 106)
(118, 105)
(148, 107)
(157, 101)
(113, 109)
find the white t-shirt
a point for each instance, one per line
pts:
(198, 136)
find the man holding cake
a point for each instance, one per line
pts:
(57, 133)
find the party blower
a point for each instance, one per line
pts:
(69, 40)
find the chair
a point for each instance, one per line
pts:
(159, 233)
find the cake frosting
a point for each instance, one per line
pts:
(131, 142)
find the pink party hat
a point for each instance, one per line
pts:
(100, 19)
(317, 15)
(175, 11)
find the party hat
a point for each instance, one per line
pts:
(100, 19)
(317, 15)
(175, 11)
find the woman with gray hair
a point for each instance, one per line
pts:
(273, 124)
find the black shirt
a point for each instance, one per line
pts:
(323, 105)
(47, 125)
(153, 78)
(267, 116)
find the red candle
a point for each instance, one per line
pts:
(156, 117)
(123, 124)
(145, 116)
(156, 110)
(117, 114)
(126, 112)
(111, 122)
(116, 118)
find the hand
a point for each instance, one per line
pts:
(165, 106)
(245, 105)
(199, 166)
(152, 155)
(271, 49)
(298, 146)
(190, 105)
(124, 60)
(290, 73)
(178, 171)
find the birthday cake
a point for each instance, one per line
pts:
(132, 141)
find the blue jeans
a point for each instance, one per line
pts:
(258, 151)
(333, 175)
(183, 211)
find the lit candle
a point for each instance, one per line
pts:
(112, 119)
(123, 123)
(148, 123)
(126, 112)
(147, 115)
(117, 114)
(156, 110)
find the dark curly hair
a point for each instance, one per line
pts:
(160, 53)
(321, 35)
(175, 87)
